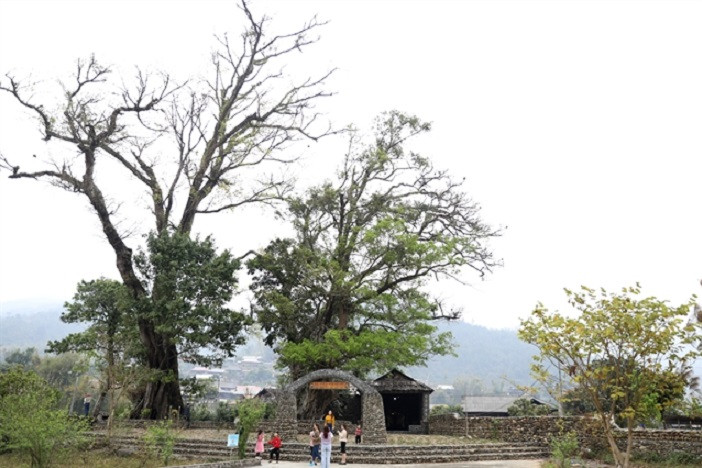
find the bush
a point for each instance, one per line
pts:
(524, 407)
(30, 424)
(445, 409)
(250, 413)
(670, 459)
(225, 413)
(160, 439)
(563, 448)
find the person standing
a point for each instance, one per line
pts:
(326, 438)
(329, 419)
(314, 444)
(86, 404)
(358, 433)
(343, 439)
(276, 443)
(258, 449)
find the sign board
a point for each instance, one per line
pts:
(233, 440)
(321, 385)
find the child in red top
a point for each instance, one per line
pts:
(358, 433)
(276, 443)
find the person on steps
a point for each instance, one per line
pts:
(343, 439)
(260, 439)
(276, 443)
(329, 419)
(314, 444)
(326, 437)
(358, 434)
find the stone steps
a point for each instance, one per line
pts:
(373, 454)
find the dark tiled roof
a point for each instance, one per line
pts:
(397, 382)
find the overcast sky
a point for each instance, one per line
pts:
(577, 125)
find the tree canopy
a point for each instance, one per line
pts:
(196, 147)
(348, 290)
(622, 349)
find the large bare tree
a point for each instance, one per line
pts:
(193, 147)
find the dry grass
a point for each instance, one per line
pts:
(393, 439)
(96, 459)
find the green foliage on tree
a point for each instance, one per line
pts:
(525, 407)
(27, 358)
(621, 345)
(348, 290)
(111, 339)
(189, 286)
(30, 422)
(216, 137)
(250, 413)
(438, 410)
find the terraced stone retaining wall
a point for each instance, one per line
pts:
(226, 464)
(541, 430)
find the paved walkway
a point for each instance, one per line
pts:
(484, 464)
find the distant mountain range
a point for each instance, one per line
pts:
(33, 324)
(496, 357)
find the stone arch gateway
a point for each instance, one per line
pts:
(372, 411)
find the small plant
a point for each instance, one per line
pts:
(160, 440)
(563, 448)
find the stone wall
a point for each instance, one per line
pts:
(541, 430)
(225, 464)
(450, 424)
(373, 414)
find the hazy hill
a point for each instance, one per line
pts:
(489, 355)
(33, 325)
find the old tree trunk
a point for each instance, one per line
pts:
(221, 133)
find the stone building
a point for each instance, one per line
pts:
(405, 402)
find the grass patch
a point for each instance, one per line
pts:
(97, 459)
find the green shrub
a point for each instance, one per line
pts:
(201, 412)
(225, 413)
(160, 439)
(30, 422)
(670, 459)
(563, 448)
(250, 413)
(445, 409)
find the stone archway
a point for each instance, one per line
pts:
(372, 411)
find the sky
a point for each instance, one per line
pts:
(577, 127)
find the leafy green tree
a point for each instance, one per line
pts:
(215, 138)
(445, 409)
(250, 413)
(620, 343)
(525, 407)
(348, 290)
(27, 358)
(189, 285)
(30, 422)
(112, 337)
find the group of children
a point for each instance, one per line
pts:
(276, 443)
(320, 443)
